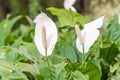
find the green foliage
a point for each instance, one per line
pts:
(68, 18)
(35, 6)
(79, 76)
(110, 49)
(67, 52)
(17, 7)
(5, 28)
(112, 31)
(20, 59)
(9, 72)
(89, 69)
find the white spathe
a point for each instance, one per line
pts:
(36, 19)
(89, 34)
(68, 4)
(42, 20)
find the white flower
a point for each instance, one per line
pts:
(45, 34)
(36, 18)
(68, 4)
(88, 35)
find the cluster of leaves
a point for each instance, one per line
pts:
(20, 59)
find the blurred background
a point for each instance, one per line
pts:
(90, 8)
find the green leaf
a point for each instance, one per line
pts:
(7, 70)
(95, 50)
(11, 57)
(89, 69)
(67, 52)
(44, 71)
(16, 76)
(77, 75)
(23, 51)
(31, 68)
(59, 67)
(29, 51)
(56, 59)
(67, 35)
(115, 67)
(67, 17)
(80, 56)
(32, 50)
(62, 75)
(17, 42)
(96, 62)
(5, 28)
(112, 31)
(109, 53)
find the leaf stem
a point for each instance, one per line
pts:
(48, 63)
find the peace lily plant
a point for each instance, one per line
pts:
(21, 60)
(45, 36)
(87, 36)
(68, 4)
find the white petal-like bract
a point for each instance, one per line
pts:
(95, 24)
(90, 34)
(51, 34)
(73, 9)
(68, 4)
(36, 19)
(90, 37)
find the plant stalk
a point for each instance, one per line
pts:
(48, 63)
(84, 57)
